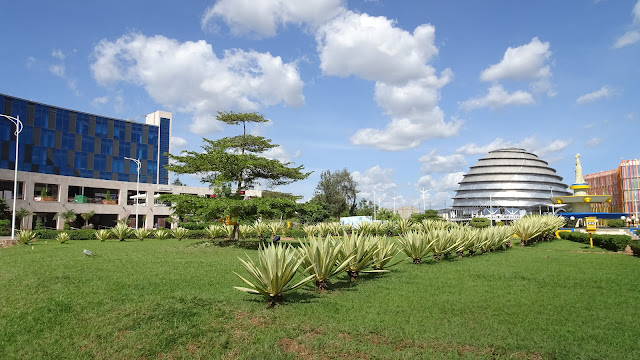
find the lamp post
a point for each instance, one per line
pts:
(374, 206)
(137, 187)
(553, 210)
(16, 121)
(394, 203)
(424, 206)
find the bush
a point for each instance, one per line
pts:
(609, 242)
(197, 234)
(197, 225)
(616, 223)
(635, 247)
(5, 225)
(480, 223)
(46, 234)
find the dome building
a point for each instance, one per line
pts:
(505, 185)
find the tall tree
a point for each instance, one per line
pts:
(339, 190)
(235, 160)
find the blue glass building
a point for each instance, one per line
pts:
(65, 142)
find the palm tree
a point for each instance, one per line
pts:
(68, 216)
(87, 217)
(21, 214)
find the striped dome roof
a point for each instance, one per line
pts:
(509, 178)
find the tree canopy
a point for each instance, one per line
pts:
(339, 190)
(236, 160)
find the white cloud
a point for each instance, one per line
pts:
(374, 179)
(589, 125)
(434, 163)
(407, 88)
(30, 61)
(530, 143)
(190, 77)
(628, 38)
(57, 70)
(603, 92)
(281, 154)
(98, 101)
(264, 17)
(632, 36)
(594, 141)
(372, 48)
(523, 62)
(497, 97)
(258, 129)
(178, 143)
(58, 54)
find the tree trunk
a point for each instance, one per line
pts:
(322, 286)
(353, 275)
(417, 261)
(235, 236)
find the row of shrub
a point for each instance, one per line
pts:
(609, 242)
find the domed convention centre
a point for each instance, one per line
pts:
(505, 185)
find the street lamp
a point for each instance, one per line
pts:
(424, 206)
(137, 187)
(16, 121)
(394, 203)
(553, 210)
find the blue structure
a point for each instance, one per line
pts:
(65, 142)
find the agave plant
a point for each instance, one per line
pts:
(141, 233)
(362, 249)
(323, 229)
(102, 234)
(179, 233)
(261, 229)
(404, 226)
(388, 228)
(26, 236)
(365, 228)
(121, 231)
(387, 250)
(213, 231)
(377, 228)
(348, 228)
(161, 234)
(441, 242)
(275, 227)
(228, 231)
(321, 259)
(335, 228)
(464, 239)
(63, 237)
(273, 272)
(245, 231)
(310, 230)
(415, 245)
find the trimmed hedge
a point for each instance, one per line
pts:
(480, 222)
(609, 242)
(635, 247)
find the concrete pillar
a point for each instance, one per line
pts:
(148, 224)
(59, 223)
(63, 193)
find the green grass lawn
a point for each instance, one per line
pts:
(169, 299)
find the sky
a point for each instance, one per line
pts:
(406, 95)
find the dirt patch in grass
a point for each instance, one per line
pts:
(7, 243)
(301, 351)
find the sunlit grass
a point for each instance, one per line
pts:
(165, 298)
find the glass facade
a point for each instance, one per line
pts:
(64, 142)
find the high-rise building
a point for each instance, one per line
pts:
(622, 183)
(72, 160)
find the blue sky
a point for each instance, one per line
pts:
(404, 94)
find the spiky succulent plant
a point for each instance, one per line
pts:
(141, 233)
(363, 248)
(321, 258)
(261, 229)
(161, 234)
(387, 250)
(103, 234)
(273, 273)
(121, 231)
(63, 237)
(415, 245)
(213, 231)
(179, 233)
(25, 236)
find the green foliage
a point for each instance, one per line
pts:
(180, 233)
(236, 160)
(43, 192)
(415, 245)
(87, 216)
(635, 247)
(161, 234)
(536, 227)
(20, 215)
(68, 217)
(261, 229)
(102, 234)
(121, 231)
(617, 223)
(480, 222)
(387, 250)
(141, 233)
(313, 212)
(339, 190)
(108, 197)
(25, 236)
(214, 231)
(273, 272)
(63, 237)
(201, 225)
(426, 215)
(361, 249)
(4, 209)
(39, 225)
(321, 258)
(608, 242)
(5, 225)
(177, 182)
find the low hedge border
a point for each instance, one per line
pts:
(609, 242)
